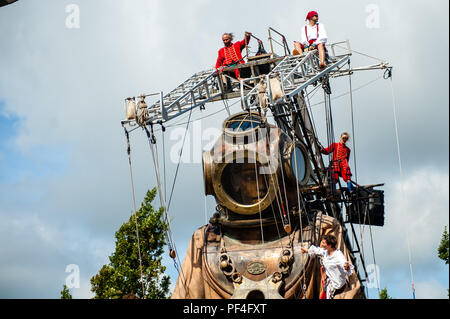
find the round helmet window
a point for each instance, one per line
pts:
(243, 124)
(298, 164)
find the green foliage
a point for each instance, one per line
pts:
(65, 293)
(443, 250)
(384, 294)
(121, 277)
(444, 247)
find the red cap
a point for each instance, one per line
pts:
(311, 14)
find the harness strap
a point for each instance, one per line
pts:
(306, 32)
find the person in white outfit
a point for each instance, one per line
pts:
(335, 265)
(313, 36)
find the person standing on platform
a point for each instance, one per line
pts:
(339, 163)
(231, 55)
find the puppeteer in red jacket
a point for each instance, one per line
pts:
(339, 162)
(231, 52)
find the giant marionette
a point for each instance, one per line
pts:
(252, 246)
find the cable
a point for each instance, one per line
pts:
(356, 171)
(164, 162)
(373, 255)
(162, 198)
(360, 53)
(259, 200)
(401, 185)
(134, 206)
(353, 123)
(225, 103)
(358, 88)
(299, 205)
(179, 159)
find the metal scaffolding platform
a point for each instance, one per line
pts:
(295, 72)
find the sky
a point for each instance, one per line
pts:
(66, 67)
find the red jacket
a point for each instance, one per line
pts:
(231, 54)
(341, 156)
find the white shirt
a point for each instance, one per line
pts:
(334, 265)
(320, 37)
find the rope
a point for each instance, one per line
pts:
(356, 89)
(353, 123)
(277, 200)
(331, 119)
(315, 90)
(179, 159)
(329, 122)
(162, 198)
(373, 255)
(204, 197)
(259, 204)
(134, 206)
(285, 196)
(394, 107)
(361, 229)
(172, 242)
(206, 213)
(299, 205)
(361, 233)
(163, 130)
(360, 53)
(225, 103)
(356, 178)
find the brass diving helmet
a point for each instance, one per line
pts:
(254, 164)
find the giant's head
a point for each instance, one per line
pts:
(254, 167)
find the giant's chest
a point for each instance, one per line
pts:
(268, 268)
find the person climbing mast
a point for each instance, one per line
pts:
(313, 36)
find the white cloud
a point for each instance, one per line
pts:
(35, 254)
(419, 213)
(431, 290)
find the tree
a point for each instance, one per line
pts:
(443, 250)
(383, 294)
(444, 247)
(122, 276)
(65, 293)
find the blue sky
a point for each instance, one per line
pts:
(64, 182)
(40, 162)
